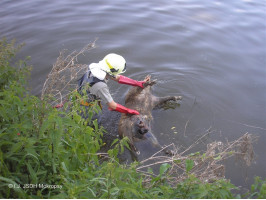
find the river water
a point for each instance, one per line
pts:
(213, 53)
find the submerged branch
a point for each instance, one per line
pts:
(207, 166)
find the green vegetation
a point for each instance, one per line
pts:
(42, 147)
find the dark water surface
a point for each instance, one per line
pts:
(213, 53)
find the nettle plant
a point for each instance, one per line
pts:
(38, 143)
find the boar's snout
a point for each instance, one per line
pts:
(142, 128)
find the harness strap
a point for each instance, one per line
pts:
(88, 78)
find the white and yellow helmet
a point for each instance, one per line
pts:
(113, 64)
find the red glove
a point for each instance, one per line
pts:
(129, 81)
(122, 109)
(58, 105)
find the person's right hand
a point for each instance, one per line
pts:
(123, 109)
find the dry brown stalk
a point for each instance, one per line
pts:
(207, 166)
(62, 79)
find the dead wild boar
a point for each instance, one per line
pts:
(138, 127)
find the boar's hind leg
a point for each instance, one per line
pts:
(161, 102)
(134, 152)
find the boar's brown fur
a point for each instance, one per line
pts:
(138, 127)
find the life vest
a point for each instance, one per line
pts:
(88, 78)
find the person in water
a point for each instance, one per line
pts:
(110, 67)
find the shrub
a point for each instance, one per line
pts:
(38, 144)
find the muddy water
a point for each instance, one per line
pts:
(213, 53)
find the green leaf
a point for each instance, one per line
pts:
(94, 195)
(44, 126)
(150, 170)
(1, 131)
(164, 167)
(33, 176)
(177, 161)
(64, 167)
(31, 155)
(16, 147)
(189, 165)
(7, 180)
(95, 123)
(218, 157)
(195, 154)
(115, 141)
